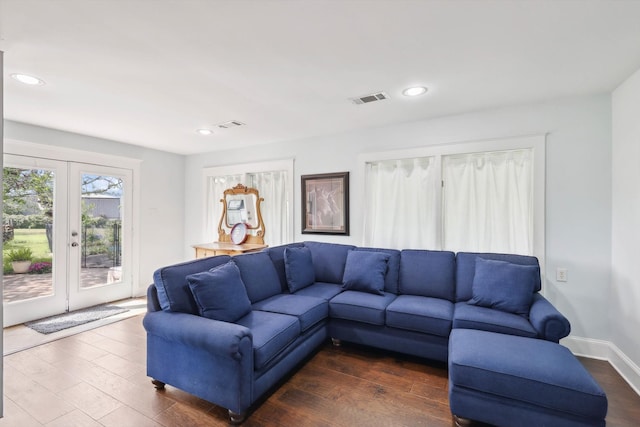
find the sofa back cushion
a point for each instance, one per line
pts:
(393, 268)
(220, 293)
(172, 286)
(329, 260)
(277, 257)
(259, 275)
(427, 273)
(299, 268)
(466, 268)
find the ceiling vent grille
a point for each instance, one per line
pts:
(230, 124)
(379, 96)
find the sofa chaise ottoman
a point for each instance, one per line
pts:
(508, 380)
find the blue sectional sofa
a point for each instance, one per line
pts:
(229, 329)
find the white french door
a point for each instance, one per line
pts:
(75, 218)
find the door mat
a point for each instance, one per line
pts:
(59, 322)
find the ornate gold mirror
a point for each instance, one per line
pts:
(241, 205)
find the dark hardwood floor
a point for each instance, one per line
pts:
(97, 378)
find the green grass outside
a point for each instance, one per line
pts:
(34, 239)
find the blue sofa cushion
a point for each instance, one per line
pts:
(365, 271)
(422, 314)
(173, 289)
(536, 372)
(220, 293)
(259, 275)
(360, 306)
(467, 316)
(299, 268)
(308, 310)
(393, 267)
(329, 260)
(427, 273)
(323, 290)
(466, 268)
(504, 286)
(272, 333)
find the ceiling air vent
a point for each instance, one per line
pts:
(379, 96)
(230, 124)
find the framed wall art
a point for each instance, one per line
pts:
(325, 203)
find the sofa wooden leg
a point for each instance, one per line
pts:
(236, 418)
(462, 422)
(159, 385)
(336, 342)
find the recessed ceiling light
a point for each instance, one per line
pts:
(204, 131)
(27, 79)
(414, 91)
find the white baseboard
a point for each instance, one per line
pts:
(605, 350)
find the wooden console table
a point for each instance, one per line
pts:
(223, 248)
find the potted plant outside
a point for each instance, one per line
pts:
(20, 259)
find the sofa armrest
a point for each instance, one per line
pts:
(152, 299)
(216, 337)
(547, 320)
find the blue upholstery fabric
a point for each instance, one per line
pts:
(536, 372)
(393, 267)
(276, 253)
(329, 260)
(365, 271)
(172, 286)
(298, 267)
(259, 275)
(547, 320)
(322, 290)
(467, 316)
(272, 333)
(427, 273)
(360, 306)
(504, 286)
(220, 293)
(308, 310)
(466, 268)
(421, 314)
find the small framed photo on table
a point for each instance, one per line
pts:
(325, 203)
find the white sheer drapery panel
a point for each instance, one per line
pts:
(401, 200)
(488, 202)
(273, 189)
(215, 191)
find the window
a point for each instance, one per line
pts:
(481, 197)
(275, 184)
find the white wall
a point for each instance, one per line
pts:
(624, 306)
(161, 207)
(578, 210)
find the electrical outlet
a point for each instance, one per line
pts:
(561, 274)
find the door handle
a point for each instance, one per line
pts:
(74, 244)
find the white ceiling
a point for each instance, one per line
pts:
(150, 72)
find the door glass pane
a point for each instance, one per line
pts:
(27, 233)
(101, 255)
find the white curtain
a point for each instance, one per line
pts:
(488, 202)
(273, 189)
(401, 201)
(215, 191)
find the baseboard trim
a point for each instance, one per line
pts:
(605, 350)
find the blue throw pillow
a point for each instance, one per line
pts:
(220, 293)
(298, 267)
(365, 271)
(504, 286)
